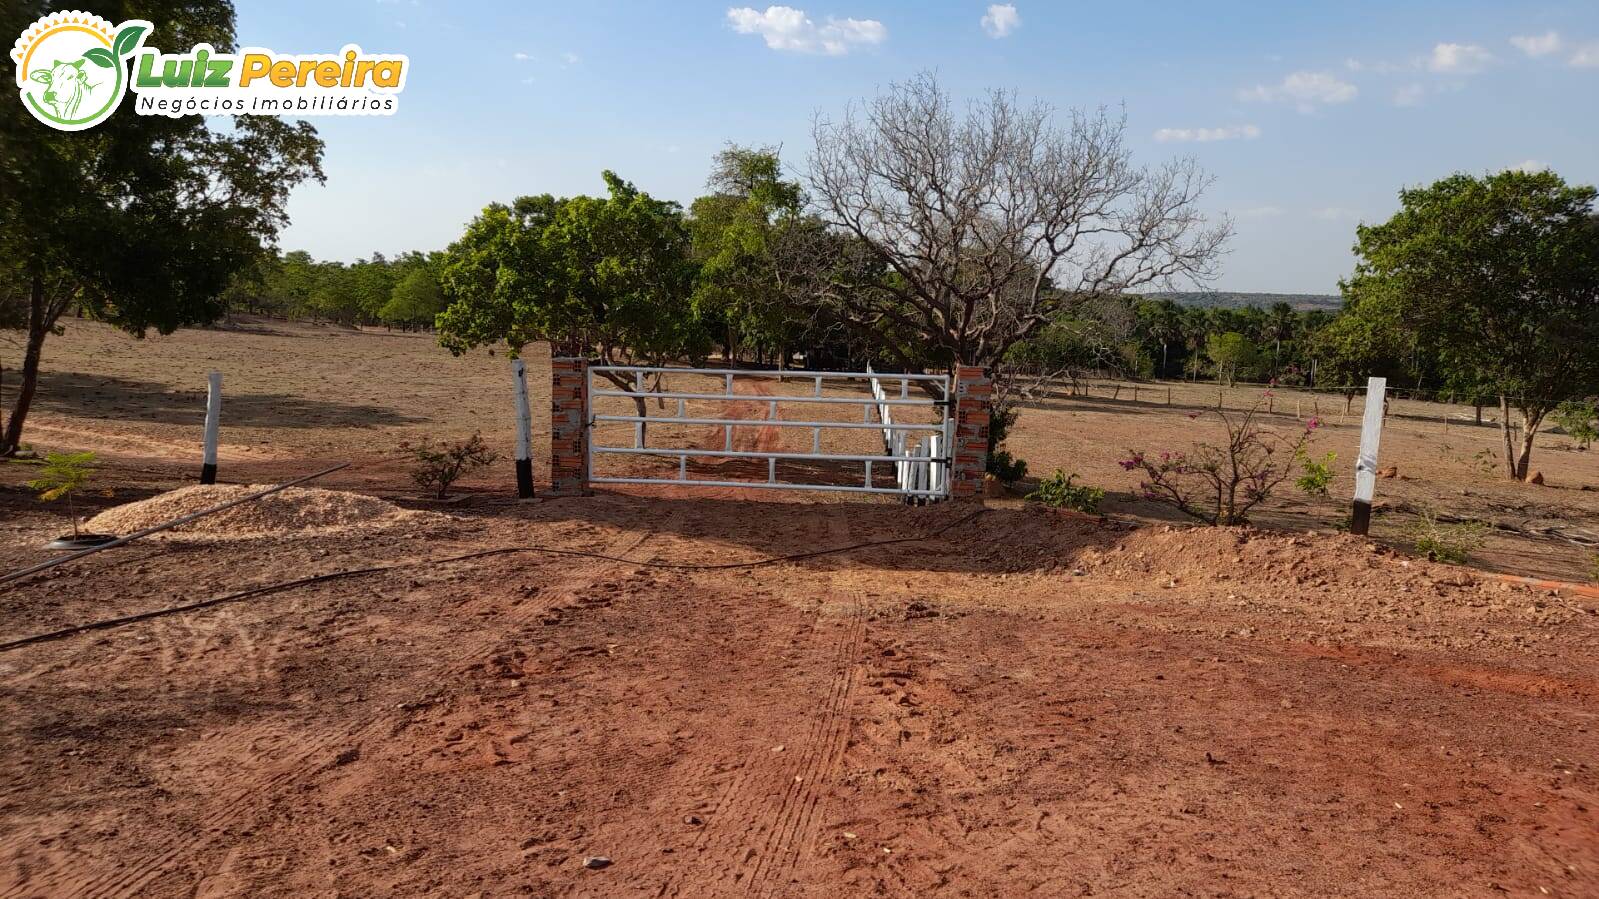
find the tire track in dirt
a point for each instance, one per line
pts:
(253, 792)
(795, 829)
(765, 817)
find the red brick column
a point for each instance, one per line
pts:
(569, 433)
(973, 393)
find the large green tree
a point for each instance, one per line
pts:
(1231, 352)
(140, 221)
(605, 276)
(1499, 278)
(416, 299)
(736, 230)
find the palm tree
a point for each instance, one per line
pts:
(1282, 323)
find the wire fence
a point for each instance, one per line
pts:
(1343, 403)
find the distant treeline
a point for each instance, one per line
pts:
(1142, 336)
(1229, 300)
(401, 292)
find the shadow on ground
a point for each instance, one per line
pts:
(97, 396)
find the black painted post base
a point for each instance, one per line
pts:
(524, 478)
(208, 474)
(1360, 518)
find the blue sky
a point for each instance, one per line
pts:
(1310, 115)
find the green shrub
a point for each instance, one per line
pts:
(1001, 464)
(62, 476)
(1058, 492)
(1447, 542)
(1318, 474)
(1580, 420)
(1005, 467)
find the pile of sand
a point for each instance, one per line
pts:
(297, 511)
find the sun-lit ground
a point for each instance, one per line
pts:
(999, 702)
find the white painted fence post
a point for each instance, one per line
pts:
(524, 431)
(213, 416)
(1366, 462)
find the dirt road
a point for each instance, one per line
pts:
(1025, 705)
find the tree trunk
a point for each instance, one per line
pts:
(639, 404)
(1505, 428)
(38, 328)
(1529, 432)
(1524, 458)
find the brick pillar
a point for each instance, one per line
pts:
(973, 393)
(569, 433)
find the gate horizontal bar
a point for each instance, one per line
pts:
(765, 398)
(762, 422)
(791, 373)
(750, 454)
(769, 485)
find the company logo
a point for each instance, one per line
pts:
(71, 67)
(74, 68)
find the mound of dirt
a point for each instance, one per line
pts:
(296, 511)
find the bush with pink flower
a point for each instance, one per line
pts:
(1218, 485)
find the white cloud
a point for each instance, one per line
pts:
(1538, 44)
(787, 28)
(1458, 59)
(1001, 19)
(1260, 212)
(1335, 213)
(1205, 135)
(1410, 94)
(1305, 90)
(1530, 165)
(571, 58)
(519, 56)
(1587, 57)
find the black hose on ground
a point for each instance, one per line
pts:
(109, 623)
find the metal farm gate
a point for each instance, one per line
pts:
(918, 453)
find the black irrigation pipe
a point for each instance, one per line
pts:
(182, 519)
(109, 623)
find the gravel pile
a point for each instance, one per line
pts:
(296, 511)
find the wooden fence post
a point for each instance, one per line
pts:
(213, 416)
(524, 431)
(1366, 462)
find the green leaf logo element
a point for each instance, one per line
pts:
(100, 56)
(127, 39)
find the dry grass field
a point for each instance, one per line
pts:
(1003, 701)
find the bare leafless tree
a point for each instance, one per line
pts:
(989, 223)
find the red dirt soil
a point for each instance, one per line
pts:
(1011, 703)
(1024, 704)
